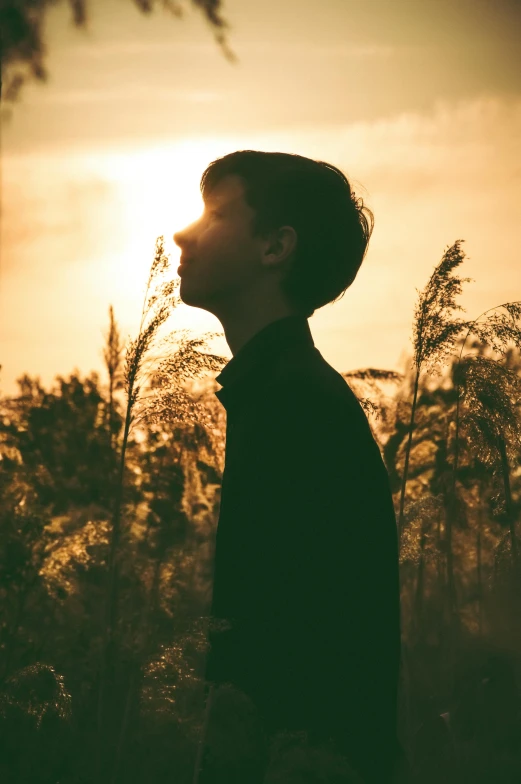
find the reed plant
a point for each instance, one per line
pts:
(490, 392)
(435, 332)
(155, 389)
(112, 355)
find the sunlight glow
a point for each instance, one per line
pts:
(157, 193)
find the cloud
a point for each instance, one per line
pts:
(128, 92)
(311, 49)
(103, 49)
(100, 49)
(468, 140)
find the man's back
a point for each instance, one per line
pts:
(306, 561)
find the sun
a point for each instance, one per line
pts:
(154, 190)
(156, 193)
(160, 195)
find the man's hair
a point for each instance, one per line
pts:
(333, 226)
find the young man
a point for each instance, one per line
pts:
(306, 559)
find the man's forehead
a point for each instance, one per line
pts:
(229, 190)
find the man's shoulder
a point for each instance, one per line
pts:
(308, 381)
(310, 374)
(311, 403)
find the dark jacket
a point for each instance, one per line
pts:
(306, 558)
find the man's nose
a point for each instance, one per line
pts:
(186, 235)
(182, 237)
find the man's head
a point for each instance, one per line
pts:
(279, 231)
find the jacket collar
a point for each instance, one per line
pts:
(259, 355)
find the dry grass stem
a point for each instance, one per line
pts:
(167, 401)
(435, 332)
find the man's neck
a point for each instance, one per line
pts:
(238, 332)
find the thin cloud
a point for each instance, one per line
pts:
(100, 50)
(311, 49)
(129, 92)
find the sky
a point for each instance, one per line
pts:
(417, 101)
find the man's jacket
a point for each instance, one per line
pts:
(306, 554)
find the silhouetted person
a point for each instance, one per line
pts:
(306, 559)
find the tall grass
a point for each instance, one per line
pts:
(113, 362)
(491, 394)
(435, 333)
(166, 400)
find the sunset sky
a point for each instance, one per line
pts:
(417, 101)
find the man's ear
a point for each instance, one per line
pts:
(281, 246)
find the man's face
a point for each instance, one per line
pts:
(223, 260)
